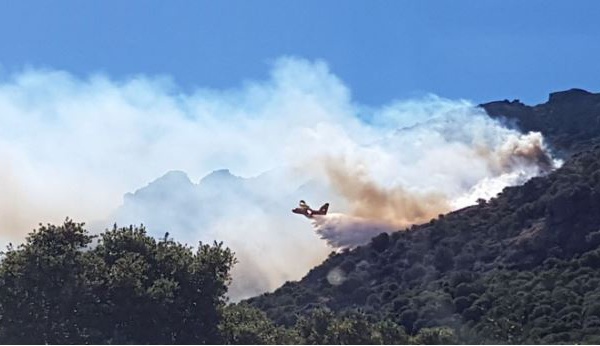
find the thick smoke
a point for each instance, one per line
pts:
(368, 200)
(73, 147)
(455, 155)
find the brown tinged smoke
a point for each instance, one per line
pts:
(524, 150)
(529, 149)
(14, 222)
(396, 205)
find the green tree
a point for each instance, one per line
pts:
(390, 333)
(314, 328)
(43, 293)
(58, 287)
(351, 328)
(443, 259)
(435, 336)
(243, 324)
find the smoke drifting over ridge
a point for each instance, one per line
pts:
(73, 147)
(446, 162)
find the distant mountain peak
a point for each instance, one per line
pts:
(174, 177)
(171, 182)
(219, 176)
(221, 172)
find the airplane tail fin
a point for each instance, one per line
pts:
(323, 209)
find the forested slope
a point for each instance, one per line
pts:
(522, 267)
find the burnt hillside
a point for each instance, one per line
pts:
(523, 267)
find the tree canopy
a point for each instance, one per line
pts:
(65, 286)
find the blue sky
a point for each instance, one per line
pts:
(384, 50)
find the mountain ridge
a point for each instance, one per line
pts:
(568, 120)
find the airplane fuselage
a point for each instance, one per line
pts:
(309, 212)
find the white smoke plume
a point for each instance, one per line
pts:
(74, 146)
(342, 231)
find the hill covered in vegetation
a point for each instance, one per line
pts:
(521, 268)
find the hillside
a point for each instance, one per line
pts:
(522, 267)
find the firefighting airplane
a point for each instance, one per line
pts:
(307, 211)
